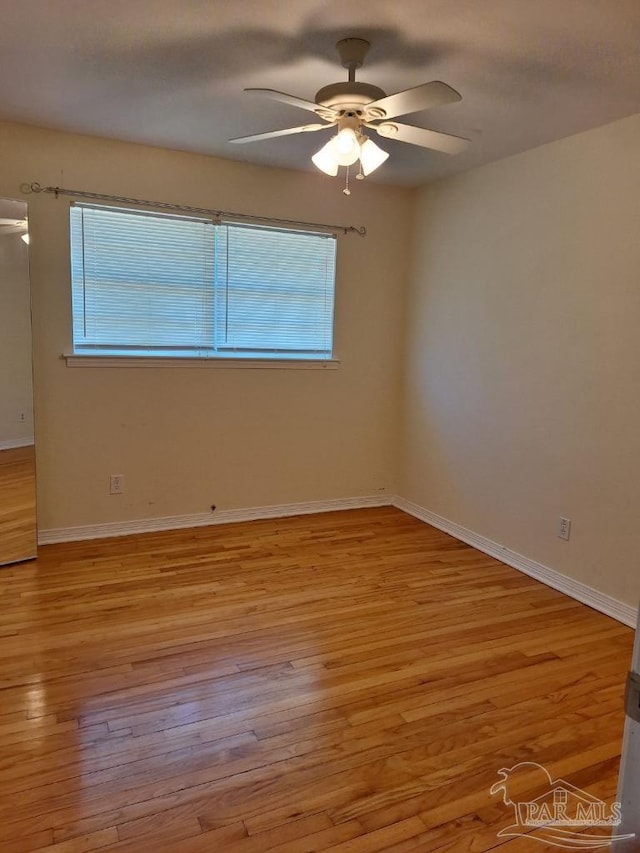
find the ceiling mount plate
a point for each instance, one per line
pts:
(352, 52)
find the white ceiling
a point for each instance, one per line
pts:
(171, 72)
(12, 209)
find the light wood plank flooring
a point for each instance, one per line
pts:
(351, 681)
(17, 504)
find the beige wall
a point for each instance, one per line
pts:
(523, 355)
(185, 438)
(16, 407)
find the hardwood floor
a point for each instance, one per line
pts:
(17, 504)
(351, 681)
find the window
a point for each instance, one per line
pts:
(166, 285)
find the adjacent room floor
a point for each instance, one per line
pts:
(351, 681)
(17, 503)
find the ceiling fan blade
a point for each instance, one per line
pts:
(306, 128)
(423, 97)
(433, 139)
(13, 221)
(292, 100)
(13, 229)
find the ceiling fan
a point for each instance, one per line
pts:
(15, 226)
(354, 107)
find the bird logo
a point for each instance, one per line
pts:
(553, 811)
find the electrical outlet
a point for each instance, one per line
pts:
(564, 528)
(116, 484)
(22, 417)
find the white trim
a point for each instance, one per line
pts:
(225, 516)
(174, 361)
(624, 613)
(11, 443)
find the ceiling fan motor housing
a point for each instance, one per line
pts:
(349, 97)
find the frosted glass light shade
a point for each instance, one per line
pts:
(371, 156)
(346, 148)
(25, 237)
(325, 161)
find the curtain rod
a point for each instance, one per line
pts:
(163, 205)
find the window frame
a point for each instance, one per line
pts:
(217, 357)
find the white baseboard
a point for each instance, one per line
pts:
(624, 613)
(202, 519)
(11, 443)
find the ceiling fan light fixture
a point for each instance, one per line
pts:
(325, 161)
(345, 147)
(25, 238)
(350, 106)
(371, 156)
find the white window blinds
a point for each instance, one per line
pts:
(161, 284)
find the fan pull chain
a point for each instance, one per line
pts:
(346, 189)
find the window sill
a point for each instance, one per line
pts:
(168, 361)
